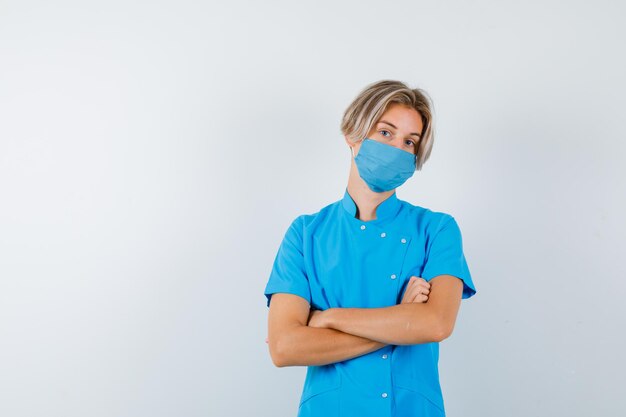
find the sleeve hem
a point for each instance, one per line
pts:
(304, 295)
(468, 286)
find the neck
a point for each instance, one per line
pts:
(365, 199)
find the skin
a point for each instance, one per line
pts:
(299, 336)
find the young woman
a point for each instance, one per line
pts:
(363, 291)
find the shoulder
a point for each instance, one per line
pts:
(308, 221)
(428, 219)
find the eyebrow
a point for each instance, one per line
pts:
(416, 134)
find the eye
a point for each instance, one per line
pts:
(384, 131)
(410, 142)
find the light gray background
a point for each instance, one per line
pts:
(152, 155)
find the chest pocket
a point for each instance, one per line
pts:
(361, 270)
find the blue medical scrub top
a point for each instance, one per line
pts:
(333, 259)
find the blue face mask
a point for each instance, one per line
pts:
(383, 167)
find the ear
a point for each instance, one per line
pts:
(350, 144)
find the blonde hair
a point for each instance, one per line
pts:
(368, 107)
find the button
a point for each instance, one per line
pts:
(383, 234)
(393, 276)
(362, 227)
(403, 240)
(384, 356)
(384, 395)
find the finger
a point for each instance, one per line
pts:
(408, 296)
(422, 281)
(419, 297)
(415, 281)
(423, 289)
(411, 293)
(415, 286)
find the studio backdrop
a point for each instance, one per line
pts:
(153, 154)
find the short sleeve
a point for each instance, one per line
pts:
(288, 272)
(445, 256)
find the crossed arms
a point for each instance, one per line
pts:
(298, 336)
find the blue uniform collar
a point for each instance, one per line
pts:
(388, 208)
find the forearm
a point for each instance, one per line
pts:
(304, 346)
(401, 324)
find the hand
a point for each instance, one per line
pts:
(417, 291)
(318, 318)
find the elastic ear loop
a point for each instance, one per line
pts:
(352, 148)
